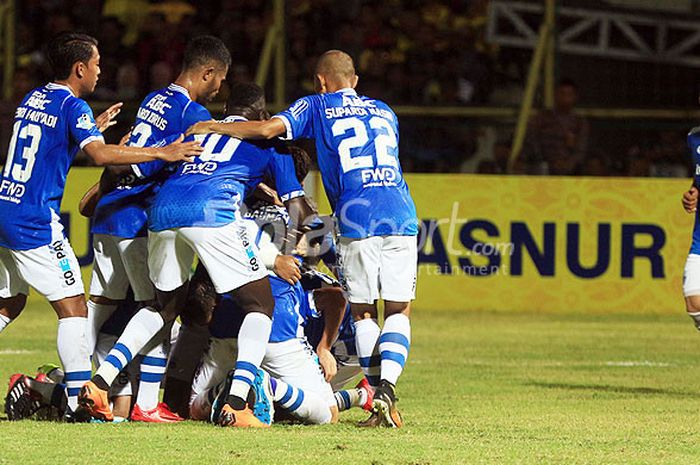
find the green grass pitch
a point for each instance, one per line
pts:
(479, 388)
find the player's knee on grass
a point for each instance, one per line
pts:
(13, 306)
(71, 307)
(255, 296)
(692, 306)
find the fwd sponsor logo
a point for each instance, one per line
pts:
(380, 174)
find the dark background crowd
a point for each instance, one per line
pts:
(408, 53)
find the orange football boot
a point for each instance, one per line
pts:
(239, 418)
(95, 401)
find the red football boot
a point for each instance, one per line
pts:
(160, 414)
(364, 386)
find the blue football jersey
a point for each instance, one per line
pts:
(292, 310)
(208, 191)
(357, 145)
(50, 126)
(162, 116)
(694, 145)
(292, 305)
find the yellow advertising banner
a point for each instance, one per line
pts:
(520, 243)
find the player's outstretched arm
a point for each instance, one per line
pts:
(109, 154)
(690, 199)
(241, 129)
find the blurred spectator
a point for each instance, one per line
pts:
(161, 75)
(128, 85)
(557, 139)
(669, 156)
(407, 52)
(594, 165)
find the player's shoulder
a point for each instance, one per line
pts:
(306, 102)
(57, 96)
(694, 132)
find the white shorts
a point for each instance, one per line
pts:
(120, 263)
(296, 363)
(379, 267)
(691, 276)
(293, 362)
(228, 254)
(52, 270)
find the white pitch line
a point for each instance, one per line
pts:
(16, 351)
(643, 363)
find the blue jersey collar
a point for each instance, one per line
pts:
(177, 88)
(348, 90)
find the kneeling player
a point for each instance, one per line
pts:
(297, 384)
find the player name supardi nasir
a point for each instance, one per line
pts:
(354, 106)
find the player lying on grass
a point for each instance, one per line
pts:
(119, 223)
(298, 383)
(196, 212)
(357, 145)
(51, 124)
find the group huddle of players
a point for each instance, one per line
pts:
(262, 334)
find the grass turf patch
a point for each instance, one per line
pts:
(478, 388)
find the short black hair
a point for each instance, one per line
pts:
(302, 161)
(244, 95)
(66, 49)
(203, 50)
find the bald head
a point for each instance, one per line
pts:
(334, 71)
